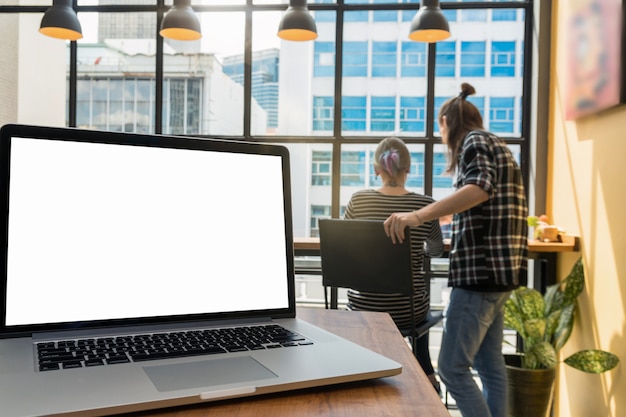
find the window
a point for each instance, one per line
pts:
(324, 59)
(383, 114)
(502, 59)
(445, 60)
(353, 113)
(353, 169)
(440, 178)
(317, 213)
(320, 169)
(257, 88)
(472, 59)
(474, 15)
(323, 113)
(415, 179)
(384, 59)
(384, 15)
(503, 15)
(413, 59)
(412, 114)
(501, 114)
(355, 56)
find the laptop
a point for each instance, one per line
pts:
(129, 260)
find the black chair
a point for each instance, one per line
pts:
(356, 254)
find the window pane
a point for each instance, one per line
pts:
(491, 60)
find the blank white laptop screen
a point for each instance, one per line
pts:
(99, 232)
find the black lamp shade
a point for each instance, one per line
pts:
(429, 24)
(297, 23)
(60, 21)
(181, 23)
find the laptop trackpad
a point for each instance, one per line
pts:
(206, 373)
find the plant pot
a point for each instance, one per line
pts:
(530, 391)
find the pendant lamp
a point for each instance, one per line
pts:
(181, 23)
(429, 24)
(297, 23)
(60, 21)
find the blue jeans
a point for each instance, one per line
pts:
(472, 338)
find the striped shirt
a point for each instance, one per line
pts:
(373, 205)
(489, 247)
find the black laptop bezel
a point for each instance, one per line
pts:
(7, 132)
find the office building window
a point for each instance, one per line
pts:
(353, 168)
(415, 179)
(438, 103)
(353, 114)
(472, 59)
(383, 114)
(413, 62)
(324, 59)
(355, 57)
(317, 213)
(127, 104)
(321, 167)
(323, 113)
(479, 102)
(408, 15)
(356, 16)
(384, 15)
(324, 16)
(501, 114)
(384, 59)
(412, 114)
(474, 15)
(445, 61)
(503, 15)
(440, 178)
(502, 59)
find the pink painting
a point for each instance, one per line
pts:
(594, 57)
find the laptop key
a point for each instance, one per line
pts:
(72, 364)
(48, 366)
(117, 359)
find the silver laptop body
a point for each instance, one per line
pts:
(108, 237)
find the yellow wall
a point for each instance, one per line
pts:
(587, 197)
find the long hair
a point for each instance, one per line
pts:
(393, 158)
(461, 118)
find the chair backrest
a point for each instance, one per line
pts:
(358, 254)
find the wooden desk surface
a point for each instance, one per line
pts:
(569, 244)
(407, 394)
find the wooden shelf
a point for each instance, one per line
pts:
(569, 244)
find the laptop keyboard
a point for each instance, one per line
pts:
(81, 353)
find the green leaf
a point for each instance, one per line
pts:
(539, 356)
(574, 283)
(564, 328)
(535, 328)
(550, 298)
(530, 302)
(593, 361)
(552, 323)
(512, 317)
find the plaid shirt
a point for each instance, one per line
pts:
(489, 248)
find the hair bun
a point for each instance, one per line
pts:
(466, 90)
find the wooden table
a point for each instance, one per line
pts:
(407, 394)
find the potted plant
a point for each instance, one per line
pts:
(544, 323)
